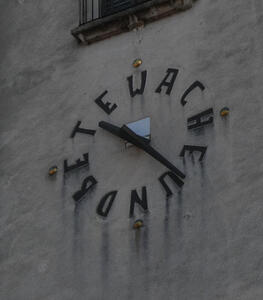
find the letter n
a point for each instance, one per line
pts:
(136, 199)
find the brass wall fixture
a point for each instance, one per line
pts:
(137, 62)
(52, 171)
(138, 224)
(224, 112)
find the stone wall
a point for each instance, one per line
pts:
(204, 242)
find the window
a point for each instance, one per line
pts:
(101, 19)
(90, 10)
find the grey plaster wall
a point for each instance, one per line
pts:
(205, 242)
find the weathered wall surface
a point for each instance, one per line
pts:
(204, 242)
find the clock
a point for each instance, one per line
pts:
(130, 151)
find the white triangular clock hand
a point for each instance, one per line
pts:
(127, 134)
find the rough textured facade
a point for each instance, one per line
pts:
(204, 242)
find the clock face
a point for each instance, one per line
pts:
(139, 148)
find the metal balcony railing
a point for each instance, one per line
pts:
(90, 10)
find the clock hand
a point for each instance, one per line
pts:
(127, 134)
(117, 131)
(133, 138)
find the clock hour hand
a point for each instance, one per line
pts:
(125, 133)
(115, 130)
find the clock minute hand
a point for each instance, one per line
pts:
(138, 141)
(125, 133)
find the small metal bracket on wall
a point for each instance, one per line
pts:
(134, 22)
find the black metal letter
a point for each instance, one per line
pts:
(81, 130)
(100, 211)
(143, 82)
(78, 164)
(189, 90)
(105, 106)
(176, 179)
(84, 189)
(201, 119)
(191, 149)
(170, 83)
(136, 199)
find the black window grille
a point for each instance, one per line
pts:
(90, 10)
(109, 7)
